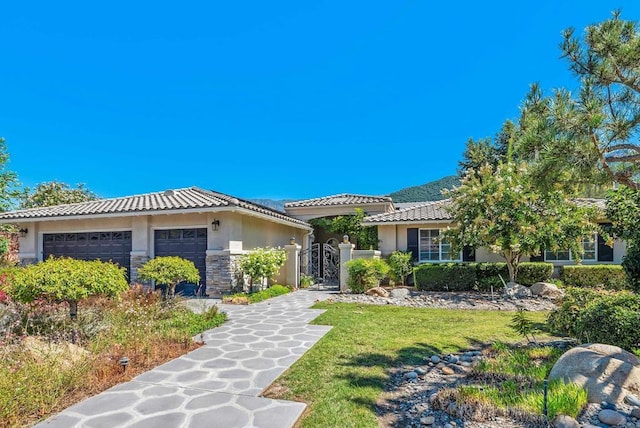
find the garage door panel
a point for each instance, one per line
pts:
(189, 244)
(105, 246)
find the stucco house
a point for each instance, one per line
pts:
(209, 228)
(417, 228)
(213, 229)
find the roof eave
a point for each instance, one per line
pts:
(396, 222)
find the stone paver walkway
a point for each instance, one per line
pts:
(218, 384)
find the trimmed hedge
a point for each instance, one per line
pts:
(445, 276)
(611, 277)
(476, 276)
(531, 272)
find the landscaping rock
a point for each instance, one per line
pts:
(632, 399)
(635, 412)
(65, 354)
(517, 291)
(399, 293)
(611, 417)
(546, 289)
(564, 421)
(411, 375)
(428, 420)
(377, 291)
(608, 373)
(435, 359)
(453, 359)
(447, 370)
(420, 371)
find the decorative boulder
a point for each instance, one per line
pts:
(516, 291)
(607, 372)
(564, 421)
(377, 291)
(546, 289)
(400, 293)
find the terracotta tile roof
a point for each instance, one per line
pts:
(342, 199)
(600, 204)
(436, 210)
(420, 211)
(168, 200)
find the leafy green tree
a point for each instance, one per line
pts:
(505, 211)
(70, 280)
(9, 185)
(366, 237)
(590, 137)
(261, 264)
(55, 193)
(169, 271)
(623, 210)
(488, 151)
(606, 62)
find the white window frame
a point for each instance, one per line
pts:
(440, 259)
(570, 259)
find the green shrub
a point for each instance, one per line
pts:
(614, 320)
(400, 266)
(564, 319)
(262, 263)
(592, 315)
(445, 276)
(365, 274)
(306, 281)
(169, 271)
(631, 266)
(611, 277)
(531, 272)
(487, 276)
(70, 280)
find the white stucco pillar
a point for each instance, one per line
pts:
(292, 266)
(140, 242)
(346, 254)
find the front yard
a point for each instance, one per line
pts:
(342, 376)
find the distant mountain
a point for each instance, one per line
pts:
(274, 204)
(430, 191)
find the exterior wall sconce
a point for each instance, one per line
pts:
(292, 241)
(345, 239)
(23, 232)
(215, 225)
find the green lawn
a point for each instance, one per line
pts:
(342, 376)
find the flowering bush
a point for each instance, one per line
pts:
(263, 263)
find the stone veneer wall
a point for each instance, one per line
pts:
(220, 271)
(136, 262)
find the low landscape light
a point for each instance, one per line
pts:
(124, 362)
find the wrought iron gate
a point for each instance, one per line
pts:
(322, 262)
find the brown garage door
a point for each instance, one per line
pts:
(113, 246)
(190, 244)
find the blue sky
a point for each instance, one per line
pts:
(281, 99)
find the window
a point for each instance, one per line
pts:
(433, 248)
(588, 246)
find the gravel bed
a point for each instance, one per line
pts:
(452, 300)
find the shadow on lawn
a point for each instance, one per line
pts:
(413, 355)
